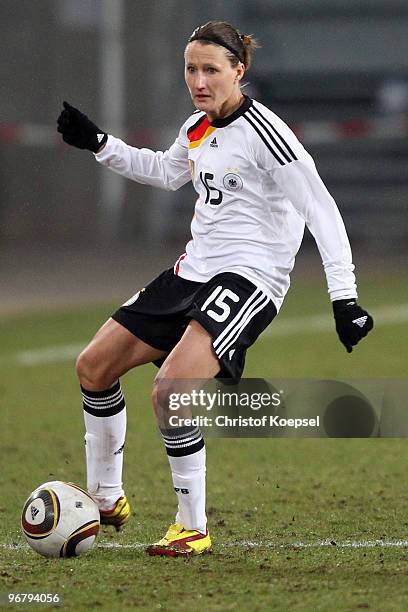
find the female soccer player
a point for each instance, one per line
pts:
(257, 188)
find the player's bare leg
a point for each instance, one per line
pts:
(192, 358)
(112, 352)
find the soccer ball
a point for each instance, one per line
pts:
(60, 520)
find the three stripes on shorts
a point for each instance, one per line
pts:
(256, 301)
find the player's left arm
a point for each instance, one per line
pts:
(301, 183)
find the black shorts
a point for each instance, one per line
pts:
(231, 308)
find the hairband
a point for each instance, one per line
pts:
(218, 41)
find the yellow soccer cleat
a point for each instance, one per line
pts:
(119, 514)
(180, 542)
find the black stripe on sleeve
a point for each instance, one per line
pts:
(283, 141)
(276, 144)
(256, 128)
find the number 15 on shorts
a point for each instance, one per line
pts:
(219, 297)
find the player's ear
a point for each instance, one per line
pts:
(240, 71)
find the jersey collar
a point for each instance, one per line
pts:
(220, 123)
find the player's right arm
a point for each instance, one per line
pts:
(167, 170)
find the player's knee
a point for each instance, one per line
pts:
(155, 395)
(91, 372)
(83, 367)
(161, 394)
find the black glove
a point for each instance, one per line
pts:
(352, 322)
(79, 131)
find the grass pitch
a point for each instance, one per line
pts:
(297, 524)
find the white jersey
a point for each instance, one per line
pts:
(257, 188)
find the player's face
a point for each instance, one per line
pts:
(212, 81)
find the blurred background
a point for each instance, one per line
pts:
(335, 70)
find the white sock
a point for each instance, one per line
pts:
(105, 423)
(188, 471)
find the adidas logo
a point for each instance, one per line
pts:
(213, 143)
(361, 321)
(100, 137)
(34, 512)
